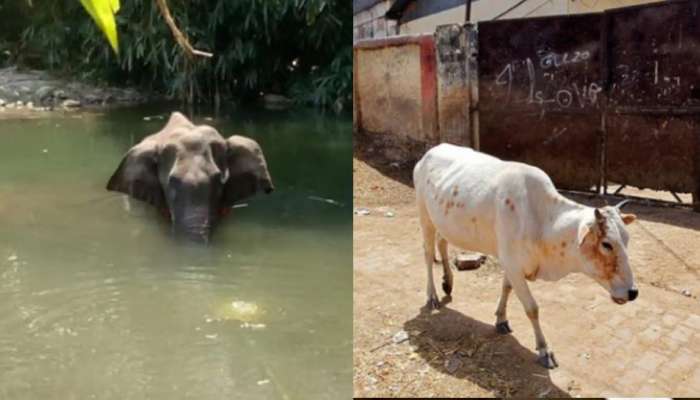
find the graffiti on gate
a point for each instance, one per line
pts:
(544, 80)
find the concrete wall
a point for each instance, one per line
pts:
(453, 95)
(414, 88)
(395, 87)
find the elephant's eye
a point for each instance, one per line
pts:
(607, 246)
(170, 148)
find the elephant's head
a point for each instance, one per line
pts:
(192, 173)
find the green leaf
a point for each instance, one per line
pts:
(102, 12)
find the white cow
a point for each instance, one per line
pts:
(513, 211)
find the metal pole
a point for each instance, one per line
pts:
(468, 15)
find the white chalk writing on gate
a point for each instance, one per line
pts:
(651, 72)
(563, 96)
(555, 60)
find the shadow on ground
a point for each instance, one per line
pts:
(393, 160)
(455, 344)
(379, 155)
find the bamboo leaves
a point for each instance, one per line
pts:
(297, 48)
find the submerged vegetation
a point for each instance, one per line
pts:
(298, 48)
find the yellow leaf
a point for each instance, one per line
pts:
(102, 12)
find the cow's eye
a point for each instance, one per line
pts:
(607, 246)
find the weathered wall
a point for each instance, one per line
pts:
(395, 87)
(453, 84)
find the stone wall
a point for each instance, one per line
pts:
(453, 78)
(414, 89)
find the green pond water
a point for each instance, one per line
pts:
(97, 302)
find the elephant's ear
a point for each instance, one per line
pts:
(137, 175)
(247, 170)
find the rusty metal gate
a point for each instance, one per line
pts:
(596, 98)
(652, 130)
(540, 82)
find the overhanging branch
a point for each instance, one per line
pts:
(179, 36)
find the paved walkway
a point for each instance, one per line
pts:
(650, 347)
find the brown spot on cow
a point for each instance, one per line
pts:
(605, 263)
(448, 205)
(508, 201)
(533, 275)
(512, 208)
(563, 245)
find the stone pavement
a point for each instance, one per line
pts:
(650, 347)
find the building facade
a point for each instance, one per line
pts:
(381, 18)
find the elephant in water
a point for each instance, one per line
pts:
(191, 173)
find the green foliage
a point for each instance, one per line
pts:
(301, 48)
(330, 85)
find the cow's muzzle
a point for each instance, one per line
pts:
(631, 295)
(618, 300)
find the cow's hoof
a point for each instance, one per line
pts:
(503, 328)
(547, 360)
(447, 287)
(433, 303)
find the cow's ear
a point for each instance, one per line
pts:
(599, 216)
(584, 229)
(628, 218)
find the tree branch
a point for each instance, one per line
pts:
(179, 36)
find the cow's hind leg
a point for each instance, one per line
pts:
(447, 277)
(429, 249)
(544, 357)
(502, 326)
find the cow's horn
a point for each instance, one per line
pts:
(622, 204)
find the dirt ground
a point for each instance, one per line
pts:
(649, 347)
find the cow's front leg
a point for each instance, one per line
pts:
(502, 326)
(544, 357)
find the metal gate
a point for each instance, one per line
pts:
(596, 98)
(539, 94)
(652, 131)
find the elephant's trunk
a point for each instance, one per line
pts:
(193, 224)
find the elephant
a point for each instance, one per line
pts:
(192, 174)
